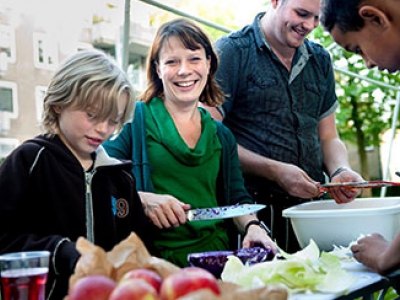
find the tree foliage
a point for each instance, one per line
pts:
(219, 14)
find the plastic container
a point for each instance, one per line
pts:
(329, 223)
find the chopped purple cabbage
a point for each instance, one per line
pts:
(214, 261)
(253, 255)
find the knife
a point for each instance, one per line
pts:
(222, 212)
(361, 184)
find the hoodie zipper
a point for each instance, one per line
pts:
(89, 206)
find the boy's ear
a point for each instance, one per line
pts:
(374, 16)
(56, 109)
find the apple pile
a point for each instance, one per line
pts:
(144, 284)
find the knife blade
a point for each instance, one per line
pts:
(361, 184)
(222, 212)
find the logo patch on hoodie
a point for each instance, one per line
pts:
(120, 207)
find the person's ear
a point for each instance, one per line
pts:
(157, 68)
(57, 109)
(275, 3)
(374, 16)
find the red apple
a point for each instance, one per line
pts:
(134, 289)
(147, 275)
(186, 281)
(92, 287)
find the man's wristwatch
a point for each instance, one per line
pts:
(258, 223)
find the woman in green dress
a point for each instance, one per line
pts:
(183, 158)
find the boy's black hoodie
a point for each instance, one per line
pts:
(47, 201)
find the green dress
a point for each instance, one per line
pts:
(190, 175)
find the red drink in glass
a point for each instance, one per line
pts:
(24, 284)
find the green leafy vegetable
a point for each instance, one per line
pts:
(305, 271)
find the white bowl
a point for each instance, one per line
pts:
(329, 223)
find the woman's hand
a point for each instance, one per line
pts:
(258, 236)
(164, 210)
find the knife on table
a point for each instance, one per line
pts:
(222, 212)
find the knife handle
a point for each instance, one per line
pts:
(189, 215)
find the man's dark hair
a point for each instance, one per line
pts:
(341, 13)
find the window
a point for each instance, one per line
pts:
(6, 146)
(7, 42)
(9, 98)
(40, 91)
(45, 51)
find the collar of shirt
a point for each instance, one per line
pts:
(300, 59)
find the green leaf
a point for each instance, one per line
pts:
(307, 270)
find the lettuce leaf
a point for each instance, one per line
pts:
(305, 271)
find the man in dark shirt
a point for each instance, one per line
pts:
(280, 105)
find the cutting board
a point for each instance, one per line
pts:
(364, 279)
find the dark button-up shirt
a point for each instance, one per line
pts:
(271, 111)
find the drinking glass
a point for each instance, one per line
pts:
(24, 275)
